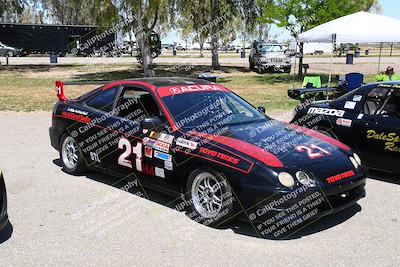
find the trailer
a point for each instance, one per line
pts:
(57, 39)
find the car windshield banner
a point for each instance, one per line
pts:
(177, 90)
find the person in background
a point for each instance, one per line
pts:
(387, 76)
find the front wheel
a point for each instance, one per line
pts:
(71, 156)
(211, 199)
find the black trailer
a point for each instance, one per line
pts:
(56, 39)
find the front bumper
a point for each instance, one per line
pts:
(261, 205)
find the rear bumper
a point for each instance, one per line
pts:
(3, 204)
(54, 137)
(3, 221)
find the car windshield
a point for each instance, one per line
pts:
(271, 48)
(202, 109)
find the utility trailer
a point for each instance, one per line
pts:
(56, 39)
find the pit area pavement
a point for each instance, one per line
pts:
(56, 219)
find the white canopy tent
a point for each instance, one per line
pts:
(360, 27)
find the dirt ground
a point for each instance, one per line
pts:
(365, 65)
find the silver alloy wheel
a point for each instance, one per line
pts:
(69, 152)
(207, 195)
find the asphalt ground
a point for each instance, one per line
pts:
(58, 219)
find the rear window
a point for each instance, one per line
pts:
(104, 100)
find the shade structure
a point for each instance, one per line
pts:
(360, 27)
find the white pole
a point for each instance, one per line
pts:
(330, 63)
(295, 64)
(379, 61)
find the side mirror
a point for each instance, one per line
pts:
(151, 123)
(261, 110)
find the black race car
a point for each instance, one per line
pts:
(367, 119)
(3, 204)
(197, 140)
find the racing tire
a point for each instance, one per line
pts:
(327, 132)
(71, 156)
(260, 69)
(10, 53)
(210, 196)
(251, 63)
(287, 69)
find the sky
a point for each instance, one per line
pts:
(391, 8)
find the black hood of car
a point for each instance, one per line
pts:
(279, 140)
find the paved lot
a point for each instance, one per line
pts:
(365, 65)
(59, 219)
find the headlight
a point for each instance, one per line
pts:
(357, 158)
(354, 162)
(286, 179)
(303, 178)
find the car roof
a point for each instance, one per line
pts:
(376, 84)
(389, 82)
(170, 81)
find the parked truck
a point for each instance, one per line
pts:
(269, 57)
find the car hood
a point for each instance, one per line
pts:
(9, 47)
(279, 144)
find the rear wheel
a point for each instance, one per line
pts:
(210, 196)
(251, 63)
(10, 53)
(71, 155)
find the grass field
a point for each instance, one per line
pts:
(31, 88)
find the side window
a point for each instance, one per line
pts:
(137, 104)
(104, 100)
(391, 106)
(375, 100)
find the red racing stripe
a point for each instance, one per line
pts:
(245, 148)
(319, 136)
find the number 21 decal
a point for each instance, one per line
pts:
(313, 151)
(137, 150)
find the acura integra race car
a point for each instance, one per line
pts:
(202, 143)
(367, 119)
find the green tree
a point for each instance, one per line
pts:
(10, 10)
(194, 17)
(223, 13)
(298, 16)
(250, 26)
(146, 16)
(212, 20)
(77, 12)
